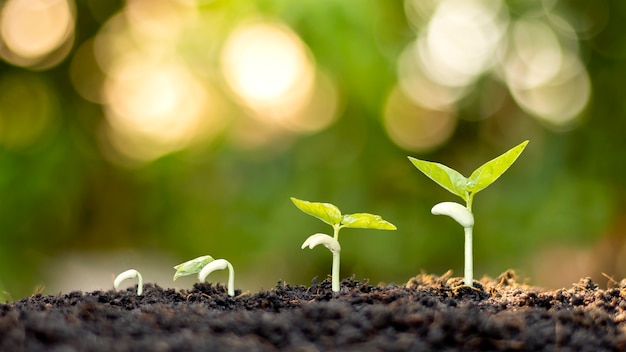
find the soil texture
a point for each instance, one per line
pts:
(429, 313)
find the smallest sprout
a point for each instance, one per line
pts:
(129, 274)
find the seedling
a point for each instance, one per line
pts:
(466, 188)
(205, 265)
(331, 215)
(129, 274)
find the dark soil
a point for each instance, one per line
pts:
(428, 313)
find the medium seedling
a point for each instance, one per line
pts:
(129, 274)
(466, 188)
(205, 265)
(331, 215)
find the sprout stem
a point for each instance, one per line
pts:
(469, 266)
(231, 280)
(335, 272)
(335, 277)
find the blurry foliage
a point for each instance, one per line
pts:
(61, 193)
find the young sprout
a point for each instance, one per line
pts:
(464, 217)
(205, 265)
(466, 188)
(129, 274)
(331, 215)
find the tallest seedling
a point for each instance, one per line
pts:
(466, 188)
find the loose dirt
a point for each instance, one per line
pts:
(429, 313)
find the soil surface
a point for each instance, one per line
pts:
(428, 313)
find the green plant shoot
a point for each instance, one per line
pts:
(205, 265)
(331, 215)
(466, 188)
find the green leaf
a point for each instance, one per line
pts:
(491, 170)
(366, 221)
(446, 177)
(191, 267)
(326, 212)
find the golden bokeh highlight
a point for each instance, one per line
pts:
(159, 21)
(459, 42)
(557, 104)
(413, 127)
(544, 73)
(153, 107)
(155, 101)
(266, 64)
(534, 55)
(159, 99)
(419, 87)
(270, 71)
(36, 33)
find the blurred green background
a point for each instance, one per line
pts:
(147, 132)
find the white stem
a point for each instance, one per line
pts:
(219, 264)
(129, 274)
(231, 280)
(469, 266)
(335, 272)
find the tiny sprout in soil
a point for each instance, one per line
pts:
(205, 265)
(466, 188)
(331, 215)
(129, 274)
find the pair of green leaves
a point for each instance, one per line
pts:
(467, 187)
(331, 215)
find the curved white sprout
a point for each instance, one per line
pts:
(333, 246)
(458, 212)
(463, 216)
(323, 239)
(219, 264)
(129, 274)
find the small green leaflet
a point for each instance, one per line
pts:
(331, 215)
(326, 212)
(446, 177)
(191, 267)
(366, 221)
(491, 170)
(482, 177)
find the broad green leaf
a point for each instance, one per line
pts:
(446, 177)
(326, 212)
(366, 221)
(491, 170)
(191, 267)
